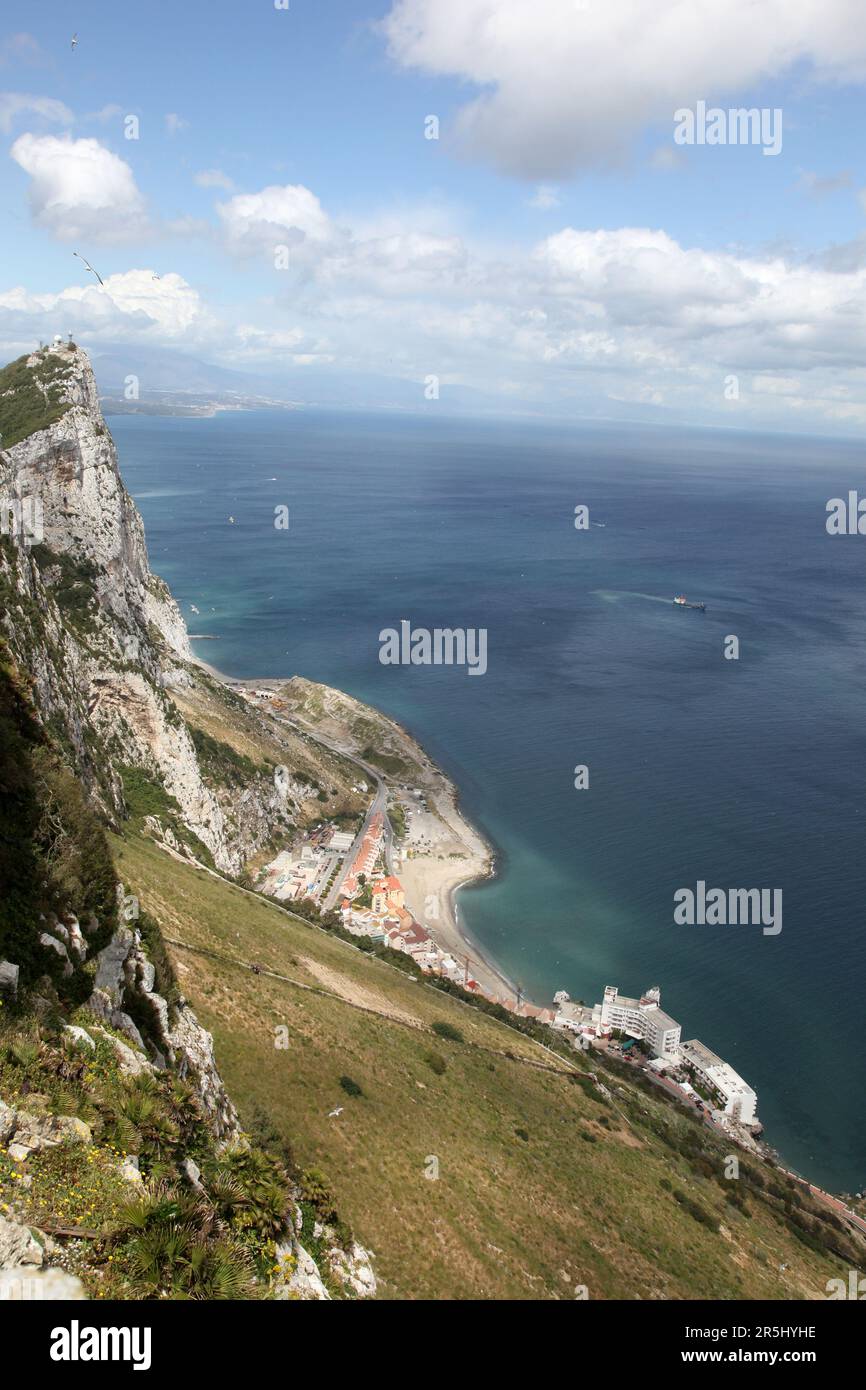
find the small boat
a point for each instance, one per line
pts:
(680, 601)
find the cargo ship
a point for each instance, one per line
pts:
(682, 602)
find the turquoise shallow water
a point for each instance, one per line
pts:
(744, 774)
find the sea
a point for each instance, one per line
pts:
(737, 770)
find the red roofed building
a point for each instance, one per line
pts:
(388, 893)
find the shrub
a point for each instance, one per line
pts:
(221, 762)
(436, 1062)
(53, 853)
(350, 1087)
(30, 398)
(316, 1190)
(144, 796)
(442, 1029)
(74, 589)
(695, 1210)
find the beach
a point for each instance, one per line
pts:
(441, 852)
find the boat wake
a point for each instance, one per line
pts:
(614, 596)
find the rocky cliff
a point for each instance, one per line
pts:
(101, 636)
(106, 1075)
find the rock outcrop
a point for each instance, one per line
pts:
(100, 634)
(27, 1133)
(125, 980)
(26, 1272)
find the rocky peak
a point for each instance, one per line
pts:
(59, 465)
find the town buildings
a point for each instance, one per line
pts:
(645, 1020)
(641, 1018)
(740, 1101)
(387, 892)
(368, 853)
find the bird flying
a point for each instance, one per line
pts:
(74, 42)
(90, 268)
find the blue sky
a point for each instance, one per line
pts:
(553, 249)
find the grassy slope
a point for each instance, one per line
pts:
(508, 1217)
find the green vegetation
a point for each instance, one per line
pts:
(74, 590)
(144, 796)
(583, 1193)
(388, 762)
(53, 853)
(31, 398)
(166, 1237)
(443, 1029)
(397, 817)
(221, 763)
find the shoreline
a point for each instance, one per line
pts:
(445, 878)
(431, 881)
(444, 881)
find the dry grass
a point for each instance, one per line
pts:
(541, 1187)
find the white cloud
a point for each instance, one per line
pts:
(13, 104)
(587, 321)
(214, 178)
(568, 84)
(545, 197)
(667, 159)
(251, 344)
(132, 305)
(819, 185)
(105, 114)
(20, 48)
(282, 214)
(79, 189)
(777, 385)
(395, 264)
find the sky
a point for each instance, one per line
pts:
(498, 195)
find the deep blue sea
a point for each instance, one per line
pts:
(745, 773)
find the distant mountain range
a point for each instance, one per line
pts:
(176, 382)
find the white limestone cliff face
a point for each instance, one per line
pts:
(71, 466)
(101, 657)
(102, 636)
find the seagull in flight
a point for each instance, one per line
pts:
(332, 1113)
(74, 42)
(90, 268)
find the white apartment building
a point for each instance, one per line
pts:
(740, 1101)
(641, 1018)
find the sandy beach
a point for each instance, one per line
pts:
(441, 852)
